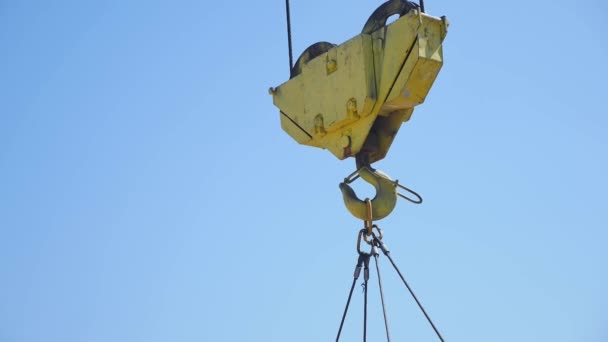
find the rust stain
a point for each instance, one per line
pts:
(347, 152)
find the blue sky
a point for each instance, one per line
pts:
(148, 192)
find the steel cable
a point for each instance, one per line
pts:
(386, 252)
(289, 35)
(365, 281)
(388, 335)
(350, 293)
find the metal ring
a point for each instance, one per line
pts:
(361, 233)
(366, 236)
(369, 223)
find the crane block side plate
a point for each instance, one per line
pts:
(333, 90)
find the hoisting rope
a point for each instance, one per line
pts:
(289, 35)
(289, 45)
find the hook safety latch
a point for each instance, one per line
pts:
(382, 204)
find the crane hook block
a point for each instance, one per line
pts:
(382, 204)
(353, 97)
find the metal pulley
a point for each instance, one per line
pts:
(352, 98)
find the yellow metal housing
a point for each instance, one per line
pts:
(354, 97)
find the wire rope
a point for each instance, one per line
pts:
(386, 252)
(388, 334)
(289, 35)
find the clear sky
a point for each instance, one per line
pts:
(148, 193)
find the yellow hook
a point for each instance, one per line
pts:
(382, 204)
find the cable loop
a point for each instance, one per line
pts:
(418, 199)
(359, 238)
